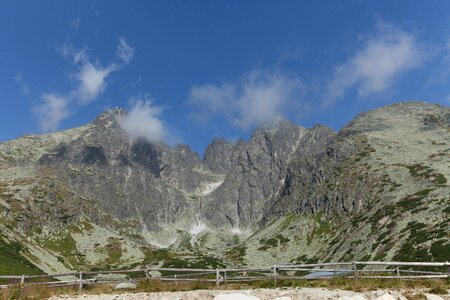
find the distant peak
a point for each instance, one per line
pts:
(109, 117)
(275, 125)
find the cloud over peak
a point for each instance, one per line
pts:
(143, 121)
(259, 96)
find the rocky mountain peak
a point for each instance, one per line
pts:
(406, 116)
(279, 125)
(218, 155)
(109, 118)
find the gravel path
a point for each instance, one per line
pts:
(257, 294)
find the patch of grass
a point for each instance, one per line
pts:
(365, 257)
(424, 172)
(236, 254)
(413, 201)
(356, 243)
(155, 256)
(440, 179)
(359, 218)
(441, 250)
(447, 210)
(193, 262)
(276, 241)
(440, 290)
(411, 252)
(287, 220)
(114, 251)
(13, 261)
(321, 228)
(66, 247)
(303, 259)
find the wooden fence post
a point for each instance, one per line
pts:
(22, 279)
(217, 277)
(147, 272)
(397, 270)
(80, 286)
(355, 269)
(275, 275)
(176, 281)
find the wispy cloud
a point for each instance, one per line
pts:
(24, 88)
(124, 51)
(259, 96)
(372, 68)
(51, 111)
(75, 24)
(91, 81)
(143, 121)
(91, 77)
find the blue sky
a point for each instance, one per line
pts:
(189, 71)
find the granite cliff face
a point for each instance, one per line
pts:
(94, 197)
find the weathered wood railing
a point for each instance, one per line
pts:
(356, 270)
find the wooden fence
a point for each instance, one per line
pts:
(355, 270)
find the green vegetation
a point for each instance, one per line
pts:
(303, 259)
(66, 247)
(13, 262)
(358, 219)
(114, 251)
(273, 242)
(175, 260)
(356, 242)
(415, 248)
(440, 250)
(236, 254)
(424, 172)
(154, 256)
(194, 262)
(447, 210)
(387, 210)
(287, 221)
(413, 201)
(322, 228)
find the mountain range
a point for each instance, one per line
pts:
(94, 197)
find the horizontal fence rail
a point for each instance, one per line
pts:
(355, 270)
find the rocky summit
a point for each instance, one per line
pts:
(94, 197)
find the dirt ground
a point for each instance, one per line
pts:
(265, 294)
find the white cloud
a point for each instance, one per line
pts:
(92, 81)
(124, 51)
(51, 111)
(373, 68)
(142, 121)
(75, 24)
(70, 52)
(24, 88)
(91, 77)
(258, 97)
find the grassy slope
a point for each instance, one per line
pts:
(12, 262)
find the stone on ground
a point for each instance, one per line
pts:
(125, 286)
